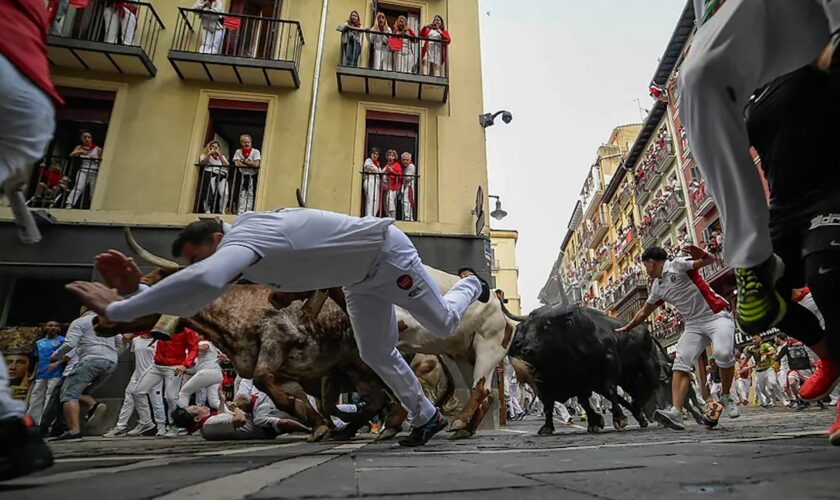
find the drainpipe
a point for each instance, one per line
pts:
(310, 130)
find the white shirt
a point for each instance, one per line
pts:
(291, 250)
(72, 360)
(144, 353)
(683, 287)
(212, 164)
(208, 359)
(81, 335)
(254, 156)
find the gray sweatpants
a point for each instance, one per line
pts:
(747, 44)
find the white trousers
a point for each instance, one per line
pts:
(211, 42)
(247, 193)
(719, 330)
(562, 412)
(122, 22)
(766, 386)
(399, 278)
(743, 385)
(153, 377)
(782, 382)
(86, 177)
(39, 394)
(127, 408)
(747, 44)
(514, 408)
(209, 379)
(716, 390)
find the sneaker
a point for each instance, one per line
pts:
(95, 413)
(22, 451)
(175, 432)
(834, 430)
(141, 429)
(421, 435)
(713, 412)
(161, 431)
(731, 408)
(116, 432)
(822, 382)
(670, 418)
(759, 306)
(485, 288)
(375, 428)
(68, 436)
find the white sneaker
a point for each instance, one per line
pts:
(161, 431)
(174, 432)
(141, 429)
(116, 432)
(670, 418)
(730, 406)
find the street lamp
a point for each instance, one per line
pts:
(497, 214)
(488, 119)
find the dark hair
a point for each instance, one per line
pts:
(782, 336)
(655, 253)
(85, 131)
(375, 150)
(182, 418)
(198, 232)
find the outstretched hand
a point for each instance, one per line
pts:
(623, 329)
(695, 251)
(118, 271)
(96, 296)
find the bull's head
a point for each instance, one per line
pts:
(530, 335)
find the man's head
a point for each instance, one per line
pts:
(654, 259)
(18, 368)
(187, 418)
(406, 159)
(197, 241)
(781, 339)
(86, 137)
(243, 402)
(756, 340)
(52, 329)
(245, 141)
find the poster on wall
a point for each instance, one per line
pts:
(17, 345)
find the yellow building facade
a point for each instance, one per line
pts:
(153, 93)
(503, 269)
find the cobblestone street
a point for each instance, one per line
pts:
(773, 453)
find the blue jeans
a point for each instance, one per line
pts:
(88, 376)
(352, 52)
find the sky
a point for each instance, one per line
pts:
(569, 71)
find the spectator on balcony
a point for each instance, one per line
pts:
(52, 185)
(87, 168)
(120, 21)
(409, 171)
(402, 47)
(214, 192)
(351, 40)
(382, 57)
(434, 50)
(372, 184)
(393, 171)
(211, 25)
(247, 161)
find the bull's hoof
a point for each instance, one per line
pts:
(318, 434)
(545, 430)
(387, 434)
(457, 425)
(461, 434)
(643, 421)
(620, 423)
(594, 429)
(598, 422)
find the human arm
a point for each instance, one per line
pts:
(699, 257)
(639, 317)
(191, 340)
(71, 339)
(181, 294)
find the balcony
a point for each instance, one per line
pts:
(390, 195)
(675, 207)
(594, 229)
(101, 37)
(64, 182)
(236, 48)
(627, 289)
(701, 200)
(664, 156)
(625, 240)
(605, 258)
(592, 192)
(225, 189)
(716, 270)
(367, 65)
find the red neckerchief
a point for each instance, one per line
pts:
(200, 423)
(375, 162)
(246, 152)
(253, 402)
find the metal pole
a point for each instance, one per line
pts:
(310, 131)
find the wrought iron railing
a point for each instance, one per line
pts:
(700, 197)
(714, 270)
(398, 53)
(63, 182)
(238, 35)
(619, 292)
(126, 22)
(225, 189)
(390, 195)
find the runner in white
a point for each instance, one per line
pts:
(747, 44)
(298, 250)
(707, 320)
(143, 347)
(208, 376)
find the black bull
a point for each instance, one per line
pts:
(572, 351)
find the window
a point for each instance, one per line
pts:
(52, 303)
(253, 37)
(230, 162)
(391, 189)
(66, 177)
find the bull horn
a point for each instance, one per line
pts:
(510, 315)
(301, 202)
(313, 305)
(148, 256)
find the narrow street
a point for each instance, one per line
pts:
(766, 454)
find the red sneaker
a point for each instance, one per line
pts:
(822, 382)
(834, 430)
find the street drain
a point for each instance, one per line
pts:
(708, 489)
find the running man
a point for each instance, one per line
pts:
(745, 45)
(302, 249)
(707, 320)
